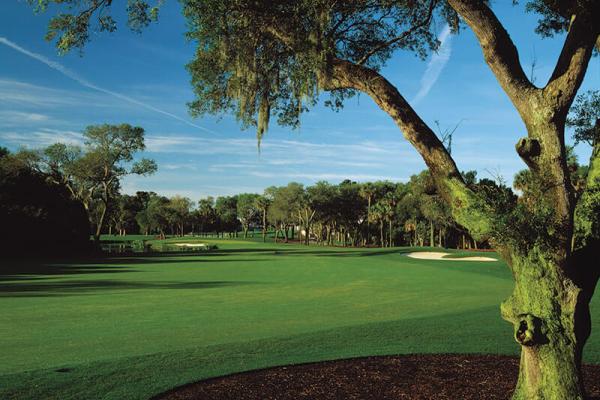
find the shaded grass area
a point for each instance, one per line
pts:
(132, 327)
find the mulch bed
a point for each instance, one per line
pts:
(439, 376)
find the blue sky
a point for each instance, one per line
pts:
(141, 80)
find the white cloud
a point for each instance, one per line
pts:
(436, 65)
(278, 151)
(10, 118)
(41, 138)
(25, 94)
(191, 166)
(329, 176)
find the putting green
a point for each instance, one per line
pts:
(131, 327)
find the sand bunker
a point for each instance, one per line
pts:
(436, 255)
(190, 244)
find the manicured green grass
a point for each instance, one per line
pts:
(132, 327)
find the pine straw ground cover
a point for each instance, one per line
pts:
(418, 377)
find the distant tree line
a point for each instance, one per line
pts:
(379, 213)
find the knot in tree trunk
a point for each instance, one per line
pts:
(530, 331)
(528, 149)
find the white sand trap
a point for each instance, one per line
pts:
(436, 255)
(190, 244)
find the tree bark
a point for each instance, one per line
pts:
(549, 307)
(431, 234)
(368, 217)
(264, 227)
(100, 222)
(307, 233)
(550, 314)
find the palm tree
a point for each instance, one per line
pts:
(377, 214)
(262, 204)
(390, 201)
(367, 191)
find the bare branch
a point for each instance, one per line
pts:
(573, 61)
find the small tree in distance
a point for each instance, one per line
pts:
(262, 204)
(247, 210)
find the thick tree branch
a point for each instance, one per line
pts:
(467, 209)
(499, 51)
(572, 63)
(543, 110)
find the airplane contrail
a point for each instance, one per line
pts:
(84, 82)
(436, 64)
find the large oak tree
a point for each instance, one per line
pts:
(262, 59)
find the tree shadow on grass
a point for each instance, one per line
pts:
(13, 270)
(31, 270)
(24, 269)
(313, 251)
(80, 287)
(141, 260)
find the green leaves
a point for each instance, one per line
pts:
(117, 143)
(144, 167)
(266, 59)
(140, 14)
(554, 16)
(584, 116)
(71, 29)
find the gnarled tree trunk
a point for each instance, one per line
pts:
(550, 314)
